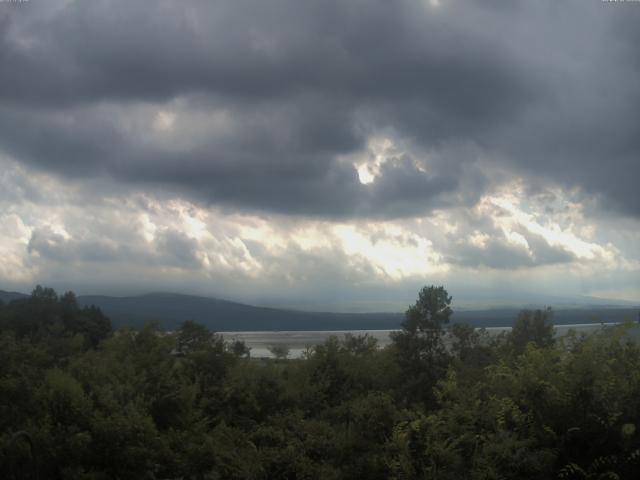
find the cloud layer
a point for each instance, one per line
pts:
(390, 129)
(253, 104)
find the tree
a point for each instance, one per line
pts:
(69, 302)
(471, 346)
(533, 327)
(93, 324)
(45, 294)
(58, 320)
(280, 351)
(194, 336)
(430, 312)
(239, 348)
(359, 344)
(419, 347)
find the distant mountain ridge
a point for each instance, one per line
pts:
(171, 309)
(224, 315)
(6, 297)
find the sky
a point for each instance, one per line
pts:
(322, 154)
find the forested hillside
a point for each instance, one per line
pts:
(81, 401)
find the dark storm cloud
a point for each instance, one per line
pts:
(249, 49)
(293, 173)
(546, 89)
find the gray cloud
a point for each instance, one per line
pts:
(55, 247)
(170, 248)
(300, 87)
(499, 253)
(178, 249)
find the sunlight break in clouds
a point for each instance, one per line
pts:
(164, 120)
(378, 152)
(552, 232)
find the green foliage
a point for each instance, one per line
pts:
(57, 322)
(419, 347)
(279, 350)
(431, 311)
(533, 327)
(239, 348)
(194, 337)
(438, 403)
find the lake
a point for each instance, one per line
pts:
(299, 341)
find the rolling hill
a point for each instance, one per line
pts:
(222, 315)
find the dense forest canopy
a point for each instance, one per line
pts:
(81, 401)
